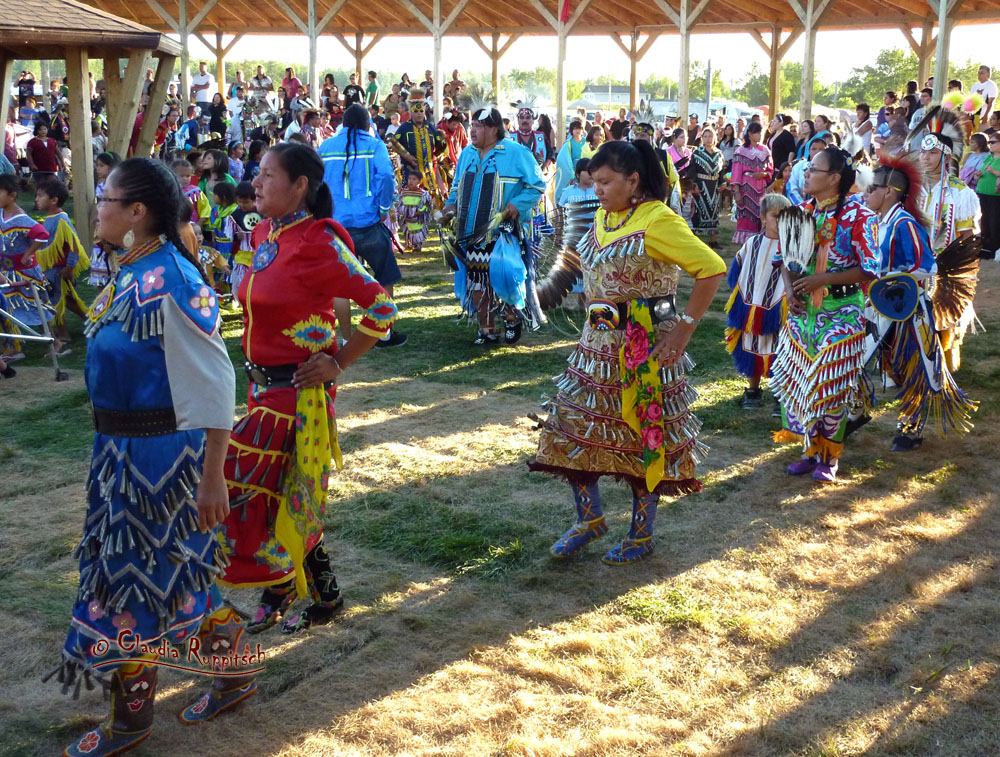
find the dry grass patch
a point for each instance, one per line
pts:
(775, 618)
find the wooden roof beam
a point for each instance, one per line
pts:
(293, 16)
(172, 22)
(669, 12)
(330, 15)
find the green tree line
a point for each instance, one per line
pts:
(891, 70)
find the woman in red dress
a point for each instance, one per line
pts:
(279, 455)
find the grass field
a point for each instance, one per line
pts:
(776, 617)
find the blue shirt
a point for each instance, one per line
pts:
(904, 244)
(360, 178)
(484, 186)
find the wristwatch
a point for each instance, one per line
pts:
(689, 320)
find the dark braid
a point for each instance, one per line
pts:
(155, 186)
(839, 162)
(356, 119)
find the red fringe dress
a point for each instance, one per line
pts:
(288, 315)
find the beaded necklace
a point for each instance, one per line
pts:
(125, 257)
(628, 217)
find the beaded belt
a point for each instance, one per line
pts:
(135, 423)
(605, 315)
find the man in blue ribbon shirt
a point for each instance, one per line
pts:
(361, 180)
(495, 176)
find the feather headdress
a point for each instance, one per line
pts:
(525, 105)
(904, 175)
(968, 104)
(939, 129)
(645, 121)
(474, 98)
(850, 142)
(645, 115)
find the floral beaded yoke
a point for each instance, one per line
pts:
(617, 412)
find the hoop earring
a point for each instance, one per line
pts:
(129, 239)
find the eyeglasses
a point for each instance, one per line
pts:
(810, 169)
(105, 198)
(995, 141)
(875, 187)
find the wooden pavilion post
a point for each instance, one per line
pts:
(359, 49)
(633, 80)
(436, 35)
(438, 27)
(923, 50)
(684, 74)
(684, 20)
(184, 26)
(79, 141)
(810, 15)
(359, 56)
(122, 110)
(312, 28)
(184, 32)
(945, 10)
(7, 72)
(562, 30)
(157, 95)
(635, 53)
(496, 51)
(220, 65)
(776, 51)
(220, 51)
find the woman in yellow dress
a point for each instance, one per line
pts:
(622, 408)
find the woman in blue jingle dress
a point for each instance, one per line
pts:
(163, 391)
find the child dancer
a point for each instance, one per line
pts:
(20, 240)
(413, 211)
(222, 224)
(577, 194)
(100, 270)
(756, 308)
(202, 208)
(63, 258)
(215, 265)
(245, 220)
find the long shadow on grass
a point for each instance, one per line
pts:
(888, 673)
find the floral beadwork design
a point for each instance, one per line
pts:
(152, 280)
(204, 301)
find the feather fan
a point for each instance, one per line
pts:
(955, 284)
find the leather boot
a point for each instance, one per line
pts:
(220, 636)
(131, 717)
(327, 599)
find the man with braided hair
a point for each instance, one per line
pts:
(361, 179)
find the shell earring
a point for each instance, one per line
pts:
(129, 239)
